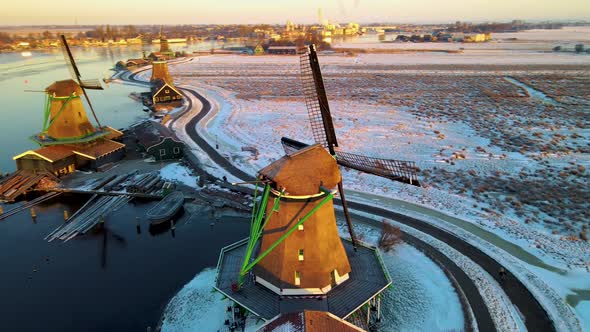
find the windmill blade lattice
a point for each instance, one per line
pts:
(92, 84)
(316, 100)
(397, 170)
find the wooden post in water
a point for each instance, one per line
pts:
(379, 308)
(66, 215)
(1, 209)
(33, 214)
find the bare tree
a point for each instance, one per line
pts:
(390, 237)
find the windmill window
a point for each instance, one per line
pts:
(80, 114)
(300, 227)
(297, 278)
(300, 254)
(176, 150)
(162, 152)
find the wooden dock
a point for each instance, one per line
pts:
(21, 182)
(107, 196)
(105, 193)
(88, 216)
(28, 205)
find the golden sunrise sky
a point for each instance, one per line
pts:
(30, 12)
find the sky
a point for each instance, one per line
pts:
(65, 12)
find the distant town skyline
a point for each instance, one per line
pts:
(66, 12)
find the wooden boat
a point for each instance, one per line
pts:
(166, 208)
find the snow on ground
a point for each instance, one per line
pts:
(502, 311)
(435, 144)
(199, 307)
(421, 297)
(178, 173)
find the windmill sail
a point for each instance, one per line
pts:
(93, 84)
(84, 84)
(397, 170)
(316, 100)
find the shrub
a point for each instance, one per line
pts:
(390, 237)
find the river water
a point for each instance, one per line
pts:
(22, 112)
(115, 279)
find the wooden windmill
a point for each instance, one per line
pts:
(164, 47)
(300, 251)
(65, 118)
(68, 139)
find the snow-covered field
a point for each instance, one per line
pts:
(505, 148)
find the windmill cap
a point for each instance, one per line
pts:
(303, 172)
(64, 88)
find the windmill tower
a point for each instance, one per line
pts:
(65, 117)
(311, 259)
(160, 71)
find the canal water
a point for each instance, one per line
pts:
(115, 279)
(118, 278)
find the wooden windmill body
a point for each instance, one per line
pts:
(312, 259)
(67, 116)
(160, 71)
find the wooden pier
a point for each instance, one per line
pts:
(28, 205)
(88, 216)
(21, 182)
(107, 195)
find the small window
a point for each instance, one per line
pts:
(297, 278)
(166, 91)
(80, 114)
(176, 150)
(300, 254)
(300, 227)
(162, 152)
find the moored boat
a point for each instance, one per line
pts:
(166, 209)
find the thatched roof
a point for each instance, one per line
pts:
(303, 172)
(64, 88)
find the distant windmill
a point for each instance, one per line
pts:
(323, 132)
(164, 48)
